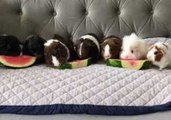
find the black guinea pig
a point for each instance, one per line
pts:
(34, 46)
(9, 45)
(87, 46)
(58, 51)
(111, 47)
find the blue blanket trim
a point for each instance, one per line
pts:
(83, 109)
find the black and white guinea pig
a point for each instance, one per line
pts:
(87, 46)
(159, 55)
(133, 47)
(111, 47)
(34, 46)
(9, 45)
(57, 52)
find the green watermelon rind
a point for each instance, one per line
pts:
(1, 64)
(146, 65)
(65, 66)
(72, 65)
(118, 63)
(113, 63)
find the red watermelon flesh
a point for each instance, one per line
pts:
(17, 61)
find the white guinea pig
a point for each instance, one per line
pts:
(133, 47)
(159, 54)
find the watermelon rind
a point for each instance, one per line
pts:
(75, 64)
(146, 65)
(65, 66)
(142, 64)
(3, 62)
(113, 62)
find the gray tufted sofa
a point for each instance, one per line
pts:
(73, 18)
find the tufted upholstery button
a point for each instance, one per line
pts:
(19, 11)
(118, 12)
(100, 16)
(86, 13)
(54, 13)
(151, 11)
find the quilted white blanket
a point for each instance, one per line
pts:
(96, 84)
(86, 88)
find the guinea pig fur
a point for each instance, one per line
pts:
(159, 55)
(88, 46)
(56, 52)
(111, 47)
(9, 45)
(34, 46)
(133, 47)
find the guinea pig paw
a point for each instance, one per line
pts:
(161, 67)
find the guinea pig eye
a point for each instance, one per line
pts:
(132, 51)
(155, 53)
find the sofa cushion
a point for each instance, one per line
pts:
(73, 18)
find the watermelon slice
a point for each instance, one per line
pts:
(132, 64)
(75, 64)
(17, 62)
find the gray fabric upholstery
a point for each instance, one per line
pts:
(73, 18)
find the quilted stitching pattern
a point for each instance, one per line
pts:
(74, 18)
(96, 84)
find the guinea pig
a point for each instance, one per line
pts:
(133, 47)
(34, 46)
(87, 46)
(9, 45)
(111, 47)
(159, 55)
(56, 51)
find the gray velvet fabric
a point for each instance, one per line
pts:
(73, 18)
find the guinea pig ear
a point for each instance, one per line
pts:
(102, 44)
(117, 42)
(159, 50)
(58, 37)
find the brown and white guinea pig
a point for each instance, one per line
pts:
(87, 46)
(34, 46)
(57, 52)
(111, 47)
(159, 55)
(133, 47)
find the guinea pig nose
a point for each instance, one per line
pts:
(107, 56)
(126, 57)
